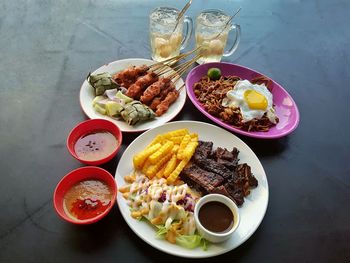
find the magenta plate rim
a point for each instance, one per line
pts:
(286, 108)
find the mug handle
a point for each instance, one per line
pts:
(236, 42)
(189, 27)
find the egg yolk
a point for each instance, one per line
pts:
(255, 100)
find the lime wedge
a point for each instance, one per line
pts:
(214, 73)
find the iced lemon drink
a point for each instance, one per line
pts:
(166, 33)
(165, 46)
(212, 29)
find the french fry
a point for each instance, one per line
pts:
(180, 132)
(141, 157)
(158, 139)
(160, 173)
(186, 139)
(173, 176)
(166, 148)
(170, 166)
(153, 169)
(145, 166)
(175, 148)
(164, 155)
(194, 137)
(189, 150)
(176, 139)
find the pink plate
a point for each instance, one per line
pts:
(286, 109)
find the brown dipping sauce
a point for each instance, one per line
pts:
(216, 217)
(95, 146)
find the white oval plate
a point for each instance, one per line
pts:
(252, 212)
(87, 95)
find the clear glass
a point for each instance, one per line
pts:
(166, 40)
(211, 34)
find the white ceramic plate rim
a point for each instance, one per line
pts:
(87, 95)
(252, 212)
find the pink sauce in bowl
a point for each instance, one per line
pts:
(95, 146)
(94, 142)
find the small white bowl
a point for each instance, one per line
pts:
(209, 235)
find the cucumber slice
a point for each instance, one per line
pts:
(100, 109)
(126, 99)
(113, 108)
(97, 99)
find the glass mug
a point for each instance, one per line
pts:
(211, 33)
(166, 40)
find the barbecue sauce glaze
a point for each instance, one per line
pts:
(216, 217)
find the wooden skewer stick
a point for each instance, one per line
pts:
(174, 59)
(177, 74)
(164, 70)
(188, 64)
(180, 67)
(182, 86)
(167, 70)
(181, 14)
(227, 23)
(167, 62)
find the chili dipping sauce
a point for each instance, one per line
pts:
(87, 199)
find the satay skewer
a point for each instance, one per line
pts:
(136, 89)
(154, 90)
(162, 100)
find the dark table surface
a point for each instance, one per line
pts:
(46, 49)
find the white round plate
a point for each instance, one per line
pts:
(87, 95)
(252, 212)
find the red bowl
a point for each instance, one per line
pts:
(90, 126)
(75, 176)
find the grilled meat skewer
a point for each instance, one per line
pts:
(154, 90)
(136, 89)
(164, 105)
(129, 75)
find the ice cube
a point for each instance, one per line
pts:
(159, 42)
(165, 51)
(175, 40)
(216, 47)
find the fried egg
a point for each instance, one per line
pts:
(254, 101)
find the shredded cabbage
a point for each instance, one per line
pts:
(162, 230)
(186, 241)
(192, 241)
